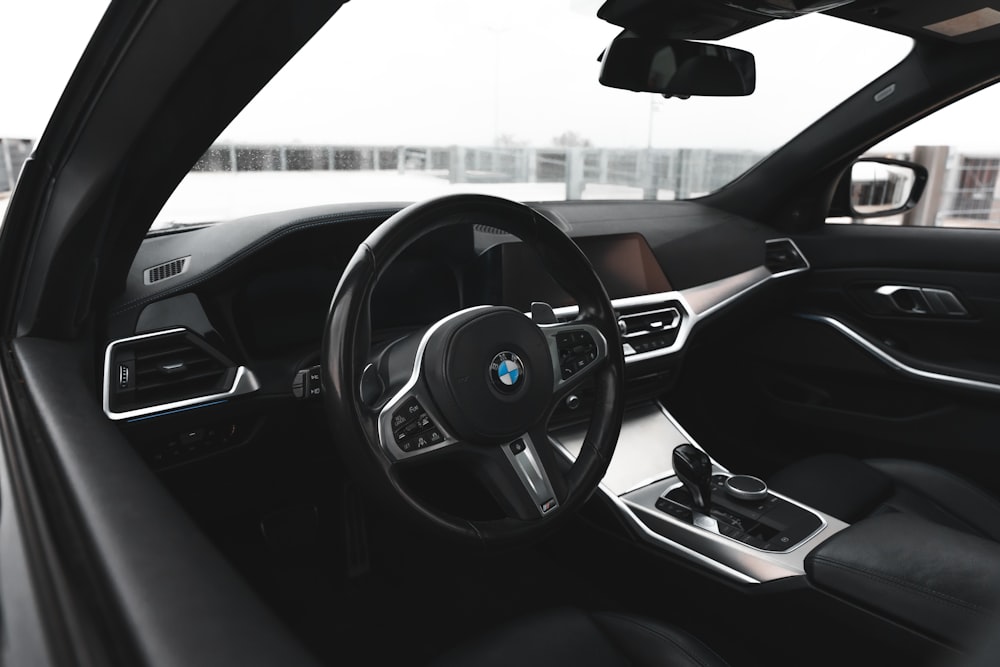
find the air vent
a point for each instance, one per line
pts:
(167, 270)
(783, 256)
(486, 229)
(649, 328)
(167, 370)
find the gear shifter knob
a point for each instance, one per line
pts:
(693, 467)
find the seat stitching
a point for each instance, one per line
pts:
(907, 585)
(661, 635)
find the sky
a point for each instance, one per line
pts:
(448, 72)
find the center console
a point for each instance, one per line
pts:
(689, 504)
(932, 580)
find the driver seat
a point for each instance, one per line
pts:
(570, 636)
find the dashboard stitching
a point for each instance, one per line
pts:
(297, 226)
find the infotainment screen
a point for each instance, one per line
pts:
(624, 263)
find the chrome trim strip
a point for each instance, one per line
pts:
(711, 297)
(733, 559)
(532, 475)
(646, 533)
(816, 513)
(696, 302)
(896, 364)
(684, 327)
(244, 383)
(798, 250)
(385, 434)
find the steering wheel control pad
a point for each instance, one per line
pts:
(490, 373)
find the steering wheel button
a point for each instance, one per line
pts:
(409, 411)
(517, 447)
(434, 437)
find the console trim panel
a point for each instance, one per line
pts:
(637, 504)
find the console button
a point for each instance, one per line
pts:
(192, 437)
(314, 386)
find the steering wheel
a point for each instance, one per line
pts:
(479, 384)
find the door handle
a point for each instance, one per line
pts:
(922, 300)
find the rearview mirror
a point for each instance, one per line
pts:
(676, 68)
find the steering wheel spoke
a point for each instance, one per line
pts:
(522, 477)
(409, 426)
(578, 349)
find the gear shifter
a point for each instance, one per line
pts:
(693, 467)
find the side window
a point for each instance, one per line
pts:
(961, 151)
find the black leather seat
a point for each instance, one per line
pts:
(578, 638)
(850, 489)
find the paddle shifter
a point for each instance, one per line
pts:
(694, 469)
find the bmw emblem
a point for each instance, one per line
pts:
(507, 372)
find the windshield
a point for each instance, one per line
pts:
(35, 71)
(396, 100)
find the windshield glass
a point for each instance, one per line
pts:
(34, 72)
(396, 100)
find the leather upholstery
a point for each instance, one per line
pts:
(850, 490)
(584, 639)
(940, 581)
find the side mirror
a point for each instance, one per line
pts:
(676, 68)
(876, 187)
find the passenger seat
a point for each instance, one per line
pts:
(851, 489)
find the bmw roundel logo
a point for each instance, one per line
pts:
(507, 372)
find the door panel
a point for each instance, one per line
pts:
(836, 368)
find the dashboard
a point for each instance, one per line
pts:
(219, 327)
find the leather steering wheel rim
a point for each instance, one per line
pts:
(346, 343)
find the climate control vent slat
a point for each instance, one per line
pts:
(161, 371)
(166, 270)
(782, 256)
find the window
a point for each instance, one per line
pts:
(961, 151)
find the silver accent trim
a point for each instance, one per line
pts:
(921, 307)
(385, 434)
(785, 239)
(645, 448)
(696, 303)
(707, 299)
(896, 364)
(705, 522)
(750, 561)
(732, 559)
(932, 300)
(822, 517)
(674, 322)
(645, 301)
(245, 382)
(740, 494)
(532, 474)
(647, 534)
